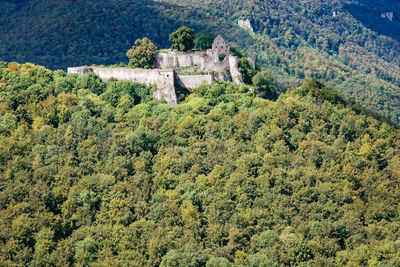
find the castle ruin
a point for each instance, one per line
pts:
(172, 68)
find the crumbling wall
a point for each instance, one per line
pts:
(166, 60)
(193, 81)
(220, 46)
(234, 69)
(215, 65)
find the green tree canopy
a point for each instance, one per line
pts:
(182, 39)
(111, 177)
(264, 84)
(204, 40)
(142, 54)
(246, 70)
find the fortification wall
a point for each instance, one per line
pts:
(166, 60)
(79, 70)
(173, 59)
(144, 76)
(193, 81)
(163, 79)
(197, 59)
(168, 94)
(184, 60)
(215, 65)
(207, 61)
(186, 69)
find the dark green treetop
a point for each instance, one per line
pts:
(182, 39)
(264, 84)
(246, 70)
(204, 40)
(142, 54)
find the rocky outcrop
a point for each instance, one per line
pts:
(252, 62)
(245, 24)
(388, 15)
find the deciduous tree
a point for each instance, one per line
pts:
(142, 54)
(204, 40)
(182, 39)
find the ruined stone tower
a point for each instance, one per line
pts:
(219, 46)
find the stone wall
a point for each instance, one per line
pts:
(170, 64)
(234, 69)
(193, 81)
(219, 45)
(80, 70)
(187, 69)
(174, 60)
(163, 79)
(211, 65)
(207, 61)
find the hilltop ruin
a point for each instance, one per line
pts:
(188, 69)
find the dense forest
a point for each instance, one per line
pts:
(344, 43)
(95, 174)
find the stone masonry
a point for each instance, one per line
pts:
(170, 68)
(164, 79)
(207, 61)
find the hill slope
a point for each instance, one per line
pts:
(346, 43)
(102, 175)
(298, 39)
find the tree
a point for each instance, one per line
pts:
(204, 40)
(182, 39)
(218, 262)
(142, 54)
(85, 251)
(264, 84)
(91, 82)
(246, 70)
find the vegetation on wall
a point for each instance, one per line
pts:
(101, 174)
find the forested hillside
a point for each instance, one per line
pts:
(345, 43)
(95, 174)
(357, 52)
